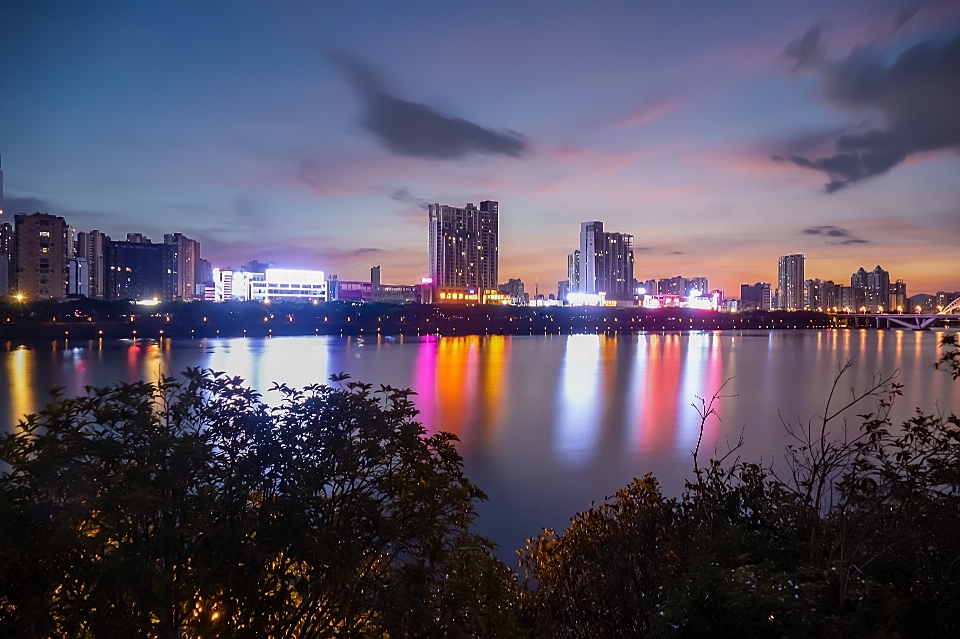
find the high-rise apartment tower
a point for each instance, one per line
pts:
(186, 258)
(40, 255)
(606, 262)
(464, 245)
(790, 281)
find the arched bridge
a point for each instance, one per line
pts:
(915, 321)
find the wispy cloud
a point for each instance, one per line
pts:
(834, 235)
(807, 50)
(404, 195)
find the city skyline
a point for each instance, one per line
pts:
(720, 138)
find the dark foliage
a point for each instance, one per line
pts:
(188, 508)
(857, 539)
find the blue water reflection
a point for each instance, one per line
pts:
(579, 407)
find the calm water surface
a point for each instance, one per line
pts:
(547, 423)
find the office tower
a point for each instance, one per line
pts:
(790, 282)
(755, 297)
(464, 245)
(606, 262)
(40, 254)
(573, 272)
(375, 275)
(140, 271)
(186, 252)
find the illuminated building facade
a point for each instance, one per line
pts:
(464, 245)
(606, 262)
(287, 285)
(40, 255)
(790, 282)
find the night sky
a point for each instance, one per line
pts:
(721, 135)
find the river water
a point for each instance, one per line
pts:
(547, 423)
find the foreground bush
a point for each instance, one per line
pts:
(859, 536)
(189, 508)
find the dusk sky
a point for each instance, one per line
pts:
(721, 135)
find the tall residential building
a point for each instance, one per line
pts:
(790, 282)
(812, 294)
(186, 256)
(375, 275)
(573, 272)
(40, 254)
(140, 271)
(464, 245)
(873, 288)
(8, 268)
(897, 300)
(606, 262)
(697, 284)
(1, 191)
(92, 247)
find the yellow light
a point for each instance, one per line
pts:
(19, 297)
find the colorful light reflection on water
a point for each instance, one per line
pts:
(547, 424)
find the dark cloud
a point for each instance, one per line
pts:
(834, 235)
(903, 16)
(404, 195)
(917, 97)
(408, 128)
(807, 50)
(15, 205)
(676, 253)
(363, 250)
(640, 249)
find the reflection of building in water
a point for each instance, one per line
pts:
(579, 406)
(495, 358)
(20, 382)
(460, 385)
(456, 382)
